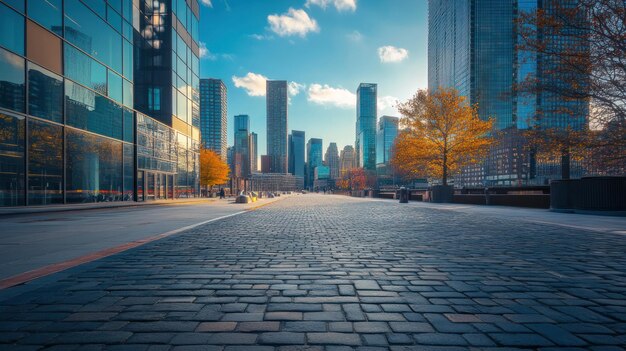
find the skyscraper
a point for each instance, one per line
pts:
(366, 111)
(242, 147)
(213, 115)
(276, 101)
(386, 134)
(254, 152)
(473, 46)
(347, 160)
(331, 159)
(314, 158)
(96, 87)
(296, 153)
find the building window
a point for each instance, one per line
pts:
(45, 94)
(85, 70)
(94, 168)
(11, 30)
(12, 81)
(12, 159)
(48, 13)
(91, 111)
(45, 163)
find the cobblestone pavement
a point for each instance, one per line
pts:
(334, 273)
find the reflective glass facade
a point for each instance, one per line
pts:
(277, 115)
(314, 159)
(213, 115)
(385, 137)
(68, 116)
(241, 165)
(366, 110)
(296, 153)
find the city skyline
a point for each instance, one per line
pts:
(349, 44)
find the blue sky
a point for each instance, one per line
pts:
(324, 47)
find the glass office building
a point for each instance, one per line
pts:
(296, 153)
(314, 155)
(213, 115)
(474, 46)
(386, 134)
(277, 116)
(331, 160)
(74, 128)
(366, 112)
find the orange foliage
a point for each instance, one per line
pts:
(442, 135)
(213, 170)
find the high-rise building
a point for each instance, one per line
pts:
(314, 158)
(366, 112)
(254, 152)
(265, 164)
(474, 47)
(347, 160)
(213, 115)
(296, 153)
(242, 147)
(96, 87)
(277, 101)
(331, 159)
(385, 137)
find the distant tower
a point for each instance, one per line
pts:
(314, 158)
(242, 147)
(331, 159)
(366, 110)
(254, 152)
(296, 153)
(347, 160)
(276, 103)
(213, 115)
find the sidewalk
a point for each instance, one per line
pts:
(596, 223)
(20, 210)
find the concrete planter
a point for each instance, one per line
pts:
(594, 195)
(442, 194)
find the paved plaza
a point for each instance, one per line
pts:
(333, 273)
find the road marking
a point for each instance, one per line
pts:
(58, 267)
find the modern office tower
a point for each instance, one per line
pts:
(276, 101)
(296, 153)
(213, 115)
(366, 112)
(347, 160)
(314, 158)
(321, 177)
(86, 97)
(242, 147)
(386, 134)
(473, 46)
(254, 152)
(331, 159)
(265, 164)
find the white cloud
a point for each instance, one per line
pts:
(392, 54)
(355, 36)
(205, 53)
(294, 22)
(295, 88)
(261, 37)
(388, 104)
(327, 95)
(340, 5)
(206, 3)
(252, 83)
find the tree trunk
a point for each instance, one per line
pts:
(445, 169)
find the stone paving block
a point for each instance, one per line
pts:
(258, 326)
(330, 338)
(216, 326)
(305, 326)
(283, 316)
(324, 316)
(282, 338)
(371, 327)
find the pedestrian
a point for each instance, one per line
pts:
(222, 193)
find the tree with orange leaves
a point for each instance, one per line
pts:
(213, 170)
(442, 134)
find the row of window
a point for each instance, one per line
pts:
(97, 168)
(86, 109)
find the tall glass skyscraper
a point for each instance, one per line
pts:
(314, 155)
(473, 46)
(385, 137)
(296, 153)
(254, 152)
(276, 101)
(366, 110)
(213, 115)
(87, 93)
(241, 155)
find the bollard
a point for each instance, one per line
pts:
(404, 195)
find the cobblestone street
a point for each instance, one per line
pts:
(333, 273)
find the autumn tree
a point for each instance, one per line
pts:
(213, 170)
(579, 47)
(442, 134)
